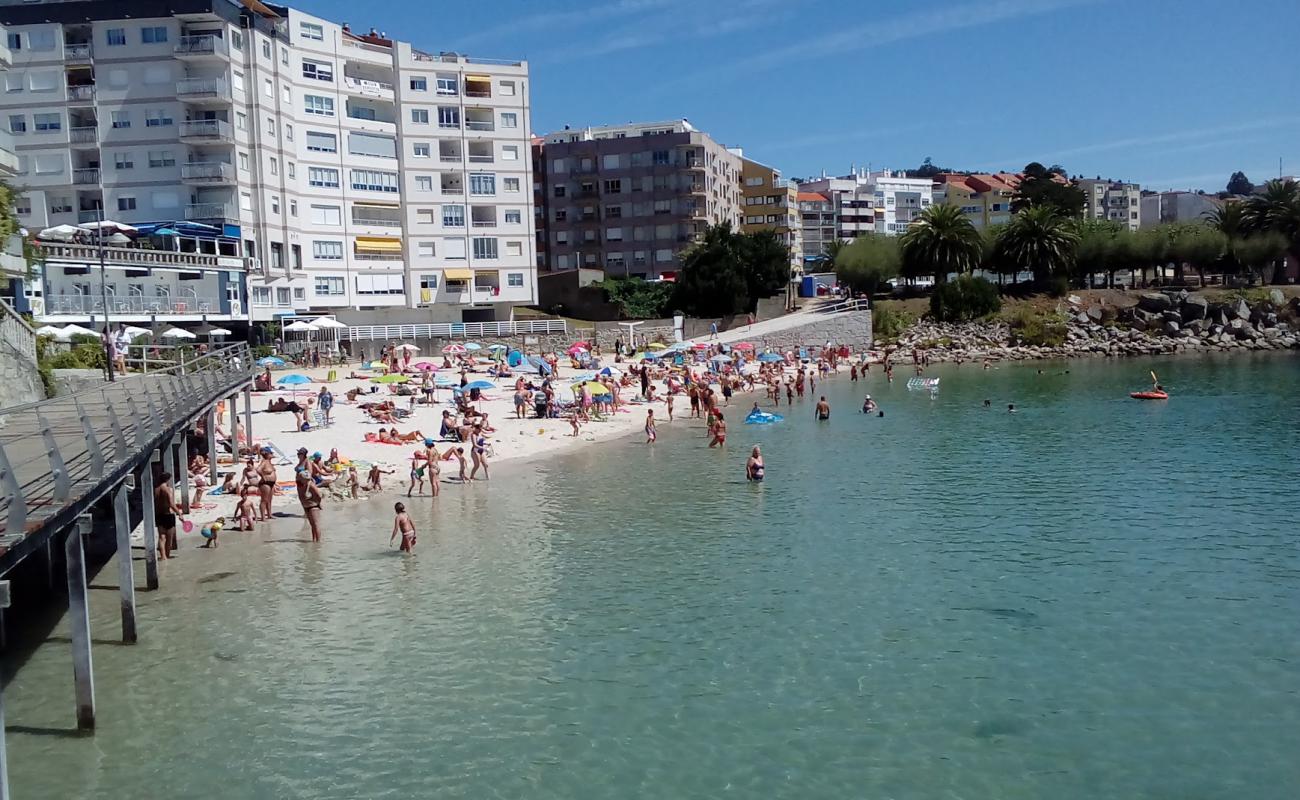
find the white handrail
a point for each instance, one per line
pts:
(454, 330)
(16, 332)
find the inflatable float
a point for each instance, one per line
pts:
(762, 418)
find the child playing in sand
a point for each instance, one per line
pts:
(573, 420)
(353, 483)
(418, 465)
(373, 478)
(210, 530)
(245, 508)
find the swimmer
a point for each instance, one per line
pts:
(868, 405)
(823, 410)
(754, 467)
(403, 525)
(1011, 408)
(719, 430)
(988, 403)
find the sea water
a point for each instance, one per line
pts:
(1090, 597)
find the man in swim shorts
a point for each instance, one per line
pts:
(823, 411)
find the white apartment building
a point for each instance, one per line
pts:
(865, 202)
(12, 265)
(1159, 208)
(358, 173)
(1113, 200)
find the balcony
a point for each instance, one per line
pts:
(138, 305)
(202, 211)
(479, 124)
(83, 177)
(88, 134)
(368, 87)
(138, 256)
(192, 89)
(81, 94)
(202, 46)
(449, 158)
(89, 215)
(206, 130)
(78, 53)
(693, 162)
(207, 173)
(377, 216)
(481, 158)
(374, 256)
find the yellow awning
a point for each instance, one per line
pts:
(457, 274)
(378, 244)
(478, 77)
(376, 204)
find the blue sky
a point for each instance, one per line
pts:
(1171, 93)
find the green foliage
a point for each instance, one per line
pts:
(262, 351)
(831, 251)
(1040, 241)
(1276, 210)
(1097, 248)
(889, 321)
(1240, 184)
(926, 170)
(637, 298)
(941, 241)
(868, 262)
(81, 355)
(964, 299)
(1041, 188)
(1037, 328)
(727, 272)
(1255, 252)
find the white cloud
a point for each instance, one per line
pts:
(1173, 137)
(580, 17)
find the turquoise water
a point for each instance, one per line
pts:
(1093, 597)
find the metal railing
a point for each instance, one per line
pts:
(377, 221)
(86, 134)
(139, 256)
(201, 45)
(71, 304)
(207, 129)
(856, 304)
(60, 455)
(366, 85)
(208, 172)
(77, 52)
(81, 93)
(211, 211)
(479, 125)
(203, 87)
(15, 331)
(377, 256)
(83, 176)
(453, 330)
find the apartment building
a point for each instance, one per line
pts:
(771, 203)
(631, 198)
(12, 266)
(357, 173)
(817, 226)
(863, 202)
(1114, 200)
(984, 199)
(1158, 208)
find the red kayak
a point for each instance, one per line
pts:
(1149, 395)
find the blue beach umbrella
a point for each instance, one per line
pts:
(480, 385)
(768, 358)
(649, 355)
(293, 379)
(270, 361)
(473, 346)
(444, 381)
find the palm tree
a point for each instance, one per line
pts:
(1040, 241)
(941, 240)
(1277, 210)
(831, 251)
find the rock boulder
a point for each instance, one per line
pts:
(1155, 302)
(1195, 307)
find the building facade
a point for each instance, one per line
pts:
(357, 173)
(12, 265)
(630, 199)
(1113, 200)
(984, 199)
(771, 203)
(1159, 208)
(863, 202)
(816, 225)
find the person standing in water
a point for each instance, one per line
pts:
(650, 434)
(823, 412)
(266, 482)
(719, 430)
(403, 525)
(310, 498)
(754, 467)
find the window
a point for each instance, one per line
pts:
(275, 166)
(154, 34)
(261, 295)
(58, 205)
(15, 41)
(561, 214)
(509, 119)
(275, 204)
(429, 281)
(126, 204)
(514, 216)
(293, 208)
(237, 40)
(614, 186)
(420, 150)
(13, 81)
(663, 255)
(50, 164)
(115, 37)
(510, 184)
(420, 116)
(453, 216)
(370, 144)
(157, 118)
(316, 104)
(419, 84)
(157, 75)
(323, 176)
(561, 237)
(424, 216)
(326, 215)
(454, 249)
(510, 152)
(515, 248)
(299, 293)
(310, 30)
(270, 126)
(246, 201)
(424, 183)
(41, 40)
(448, 117)
(119, 78)
(282, 295)
(161, 158)
(327, 250)
(317, 71)
(482, 183)
(614, 234)
(660, 157)
(243, 161)
(514, 278)
(44, 123)
(288, 132)
(374, 180)
(559, 191)
(330, 286)
(322, 142)
(284, 56)
(613, 212)
(123, 161)
(241, 121)
(507, 88)
(609, 161)
(446, 84)
(381, 284)
(17, 123)
(663, 206)
(485, 247)
(425, 249)
(23, 205)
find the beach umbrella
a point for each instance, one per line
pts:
(473, 346)
(109, 225)
(394, 378)
(293, 379)
(414, 348)
(453, 349)
(270, 361)
(612, 372)
(592, 387)
(651, 356)
(300, 326)
(582, 377)
(219, 331)
(742, 346)
(177, 333)
(444, 381)
(118, 238)
(768, 358)
(579, 344)
(638, 357)
(59, 233)
(679, 346)
(425, 365)
(721, 358)
(480, 385)
(133, 331)
(49, 330)
(68, 331)
(575, 349)
(325, 323)
(497, 347)
(657, 346)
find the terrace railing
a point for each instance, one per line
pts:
(455, 330)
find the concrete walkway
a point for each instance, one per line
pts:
(807, 315)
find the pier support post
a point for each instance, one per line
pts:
(79, 621)
(212, 446)
(125, 569)
(147, 510)
(4, 755)
(248, 416)
(169, 457)
(183, 469)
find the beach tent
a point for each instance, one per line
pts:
(59, 233)
(515, 358)
(68, 331)
(177, 333)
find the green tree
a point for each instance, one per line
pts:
(1239, 184)
(1038, 240)
(926, 170)
(1277, 210)
(941, 240)
(637, 298)
(1150, 249)
(1096, 251)
(964, 299)
(726, 272)
(1257, 251)
(868, 262)
(831, 251)
(766, 261)
(1198, 245)
(1042, 186)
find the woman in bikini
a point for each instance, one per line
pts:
(266, 482)
(478, 453)
(754, 468)
(310, 498)
(719, 430)
(402, 525)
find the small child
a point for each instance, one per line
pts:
(460, 457)
(244, 509)
(354, 483)
(210, 530)
(670, 406)
(573, 421)
(417, 473)
(650, 435)
(402, 524)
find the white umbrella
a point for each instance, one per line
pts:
(300, 326)
(118, 238)
(59, 233)
(49, 330)
(408, 347)
(108, 224)
(177, 333)
(133, 331)
(218, 332)
(75, 330)
(326, 322)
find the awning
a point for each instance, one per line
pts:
(478, 77)
(457, 274)
(374, 204)
(377, 244)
